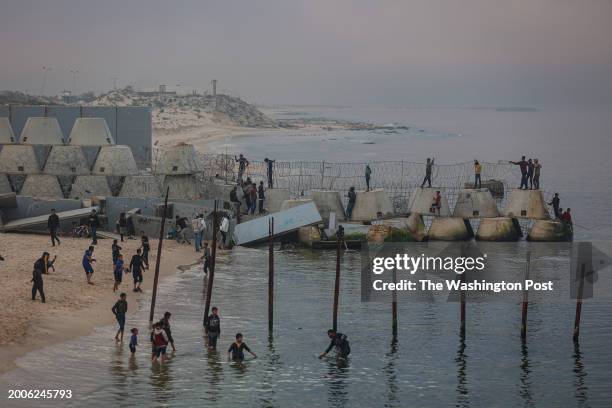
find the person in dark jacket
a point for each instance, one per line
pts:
(122, 225)
(119, 310)
(352, 198)
(261, 196)
(94, 223)
(137, 265)
(524, 166)
(213, 328)
(428, 170)
(555, 204)
(270, 170)
(165, 324)
(53, 223)
(339, 342)
(40, 267)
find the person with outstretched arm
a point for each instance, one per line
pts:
(236, 350)
(338, 341)
(428, 170)
(40, 267)
(524, 165)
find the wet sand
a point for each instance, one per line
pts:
(73, 307)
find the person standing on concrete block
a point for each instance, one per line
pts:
(437, 202)
(352, 198)
(530, 173)
(243, 163)
(53, 223)
(477, 171)
(368, 174)
(252, 191)
(428, 169)
(523, 165)
(40, 267)
(270, 164)
(261, 196)
(536, 174)
(555, 205)
(94, 223)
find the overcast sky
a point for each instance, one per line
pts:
(360, 52)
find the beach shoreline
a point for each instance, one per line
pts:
(73, 308)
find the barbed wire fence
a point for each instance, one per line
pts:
(398, 178)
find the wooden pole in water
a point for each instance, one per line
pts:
(271, 275)
(525, 304)
(337, 285)
(158, 260)
(394, 308)
(579, 303)
(213, 259)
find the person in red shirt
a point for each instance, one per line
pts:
(567, 216)
(437, 202)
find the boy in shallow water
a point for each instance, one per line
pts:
(236, 350)
(133, 340)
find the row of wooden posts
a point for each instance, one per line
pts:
(339, 245)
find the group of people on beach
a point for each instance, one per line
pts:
(138, 263)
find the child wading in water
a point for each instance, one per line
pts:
(160, 342)
(236, 350)
(133, 340)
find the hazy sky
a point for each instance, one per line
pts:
(360, 52)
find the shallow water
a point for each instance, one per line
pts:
(429, 366)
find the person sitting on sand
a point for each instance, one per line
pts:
(236, 350)
(119, 309)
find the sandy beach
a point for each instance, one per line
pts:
(73, 308)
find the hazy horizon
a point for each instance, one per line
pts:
(412, 53)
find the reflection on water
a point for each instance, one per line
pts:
(429, 365)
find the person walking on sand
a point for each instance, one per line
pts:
(524, 167)
(159, 338)
(165, 324)
(94, 223)
(236, 350)
(555, 205)
(87, 262)
(119, 309)
(118, 271)
(213, 328)
(537, 167)
(243, 163)
(53, 224)
(428, 170)
(352, 198)
(368, 174)
(338, 341)
(122, 225)
(270, 170)
(137, 264)
(40, 267)
(196, 225)
(261, 196)
(116, 251)
(145, 246)
(477, 171)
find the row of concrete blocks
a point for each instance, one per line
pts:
(87, 186)
(47, 131)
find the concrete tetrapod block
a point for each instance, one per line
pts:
(66, 161)
(309, 235)
(370, 204)
(275, 198)
(5, 184)
(42, 131)
(18, 159)
(90, 132)
(146, 186)
(450, 229)
(421, 201)
(287, 204)
(179, 159)
(116, 160)
(41, 185)
(549, 231)
(90, 186)
(412, 225)
(475, 204)
(182, 187)
(6, 132)
(327, 202)
(499, 229)
(526, 204)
